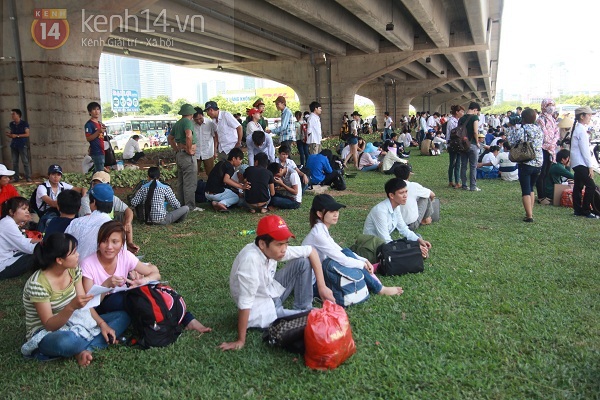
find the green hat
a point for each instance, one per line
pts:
(187, 109)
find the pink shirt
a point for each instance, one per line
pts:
(92, 269)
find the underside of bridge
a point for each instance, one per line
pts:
(429, 53)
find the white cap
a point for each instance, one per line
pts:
(5, 171)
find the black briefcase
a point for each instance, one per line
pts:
(400, 257)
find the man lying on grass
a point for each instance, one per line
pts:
(259, 290)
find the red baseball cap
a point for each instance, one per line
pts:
(274, 226)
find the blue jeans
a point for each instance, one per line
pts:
(454, 167)
(68, 344)
(98, 160)
(471, 158)
(296, 276)
(22, 154)
(370, 167)
(284, 202)
(527, 177)
(303, 151)
(227, 197)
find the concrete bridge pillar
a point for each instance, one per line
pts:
(57, 84)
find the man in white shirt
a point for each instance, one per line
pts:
(508, 169)
(422, 127)
(387, 126)
(386, 217)
(419, 207)
(313, 129)
(433, 121)
(85, 229)
(229, 130)
(206, 136)
(132, 152)
(259, 290)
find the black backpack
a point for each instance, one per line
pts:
(33, 203)
(200, 195)
(459, 140)
(156, 313)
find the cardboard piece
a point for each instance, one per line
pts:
(558, 189)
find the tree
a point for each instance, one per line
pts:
(107, 112)
(178, 103)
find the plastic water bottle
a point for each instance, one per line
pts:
(247, 232)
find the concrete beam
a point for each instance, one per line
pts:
(213, 28)
(415, 70)
(436, 65)
(276, 20)
(145, 41)
(477, 16)
(432, 16)
(333, 19)
(150, 57)
(377, 14)
(163, 52)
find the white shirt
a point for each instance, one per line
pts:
(410, 210)
(313, 130)
(580, 147)
(508, 170)
(431, 122)
(267, 147)
(131, 147)
(227, 131)
(383, 220)
(205, 139)
(292, 178)
(11, 242)
(407, 140)
(252, 284)
(490, 158)
(422, 123)
(42, 190)
(85, 229)
(321, 240)
(388, 122)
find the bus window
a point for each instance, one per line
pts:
(143, 126)
(151, 125)
(135, 126)
(128, 127)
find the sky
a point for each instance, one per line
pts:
(533, 32)
(545, 32)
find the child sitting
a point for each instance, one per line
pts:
(288, 194)
(261, 184)
(68, 202)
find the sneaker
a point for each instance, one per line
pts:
(198, 209)
(545, 201)
(29, 180)
(526, 219)
(476, 189)
(464, 187)
(592, 216)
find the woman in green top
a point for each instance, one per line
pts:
(57, 322)
(557, 174)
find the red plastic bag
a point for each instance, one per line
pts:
(33, 234)
(328, 337)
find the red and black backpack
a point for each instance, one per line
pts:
(156, 313)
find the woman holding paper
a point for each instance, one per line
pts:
(57, 320)
(112, 266)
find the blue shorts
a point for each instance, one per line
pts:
(353, 140)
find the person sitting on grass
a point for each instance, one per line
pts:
(69, 202)
(259, 289)
(419, 202)
(154, 195)
(366, 162)
(47, 193)
(288, 194)
(132, 152)
(7, 191)
(56, 320)
(386, 217)
(507, 169)
(220, 186)
(287, 163)
(112, 266)
(15, 249)
(489, 163)
(324, 213)
(558, 173)
(261, 186)
(390, 158)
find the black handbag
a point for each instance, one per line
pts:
(400, 257)
(288, 332)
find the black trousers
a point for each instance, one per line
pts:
(540, 184)
(583, 204)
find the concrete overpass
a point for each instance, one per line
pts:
(395, 52)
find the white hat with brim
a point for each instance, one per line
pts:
(5, 171)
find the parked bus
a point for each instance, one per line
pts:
(151, 129)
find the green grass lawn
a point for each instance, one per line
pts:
(504, 310)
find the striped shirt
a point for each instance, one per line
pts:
(38, 290)
(163, 193)
(287, 129)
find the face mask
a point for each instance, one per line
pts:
(550, 109)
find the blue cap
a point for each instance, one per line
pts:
(54, 168)
(211, 104)
(102, 192)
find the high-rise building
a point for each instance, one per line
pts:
(249, 83)
(155, 79)
(116, 72)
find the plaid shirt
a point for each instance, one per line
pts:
(163, 193)
(287, 129)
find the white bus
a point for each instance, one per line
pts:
(151, 130)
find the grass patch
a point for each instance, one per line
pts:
(504, 310)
